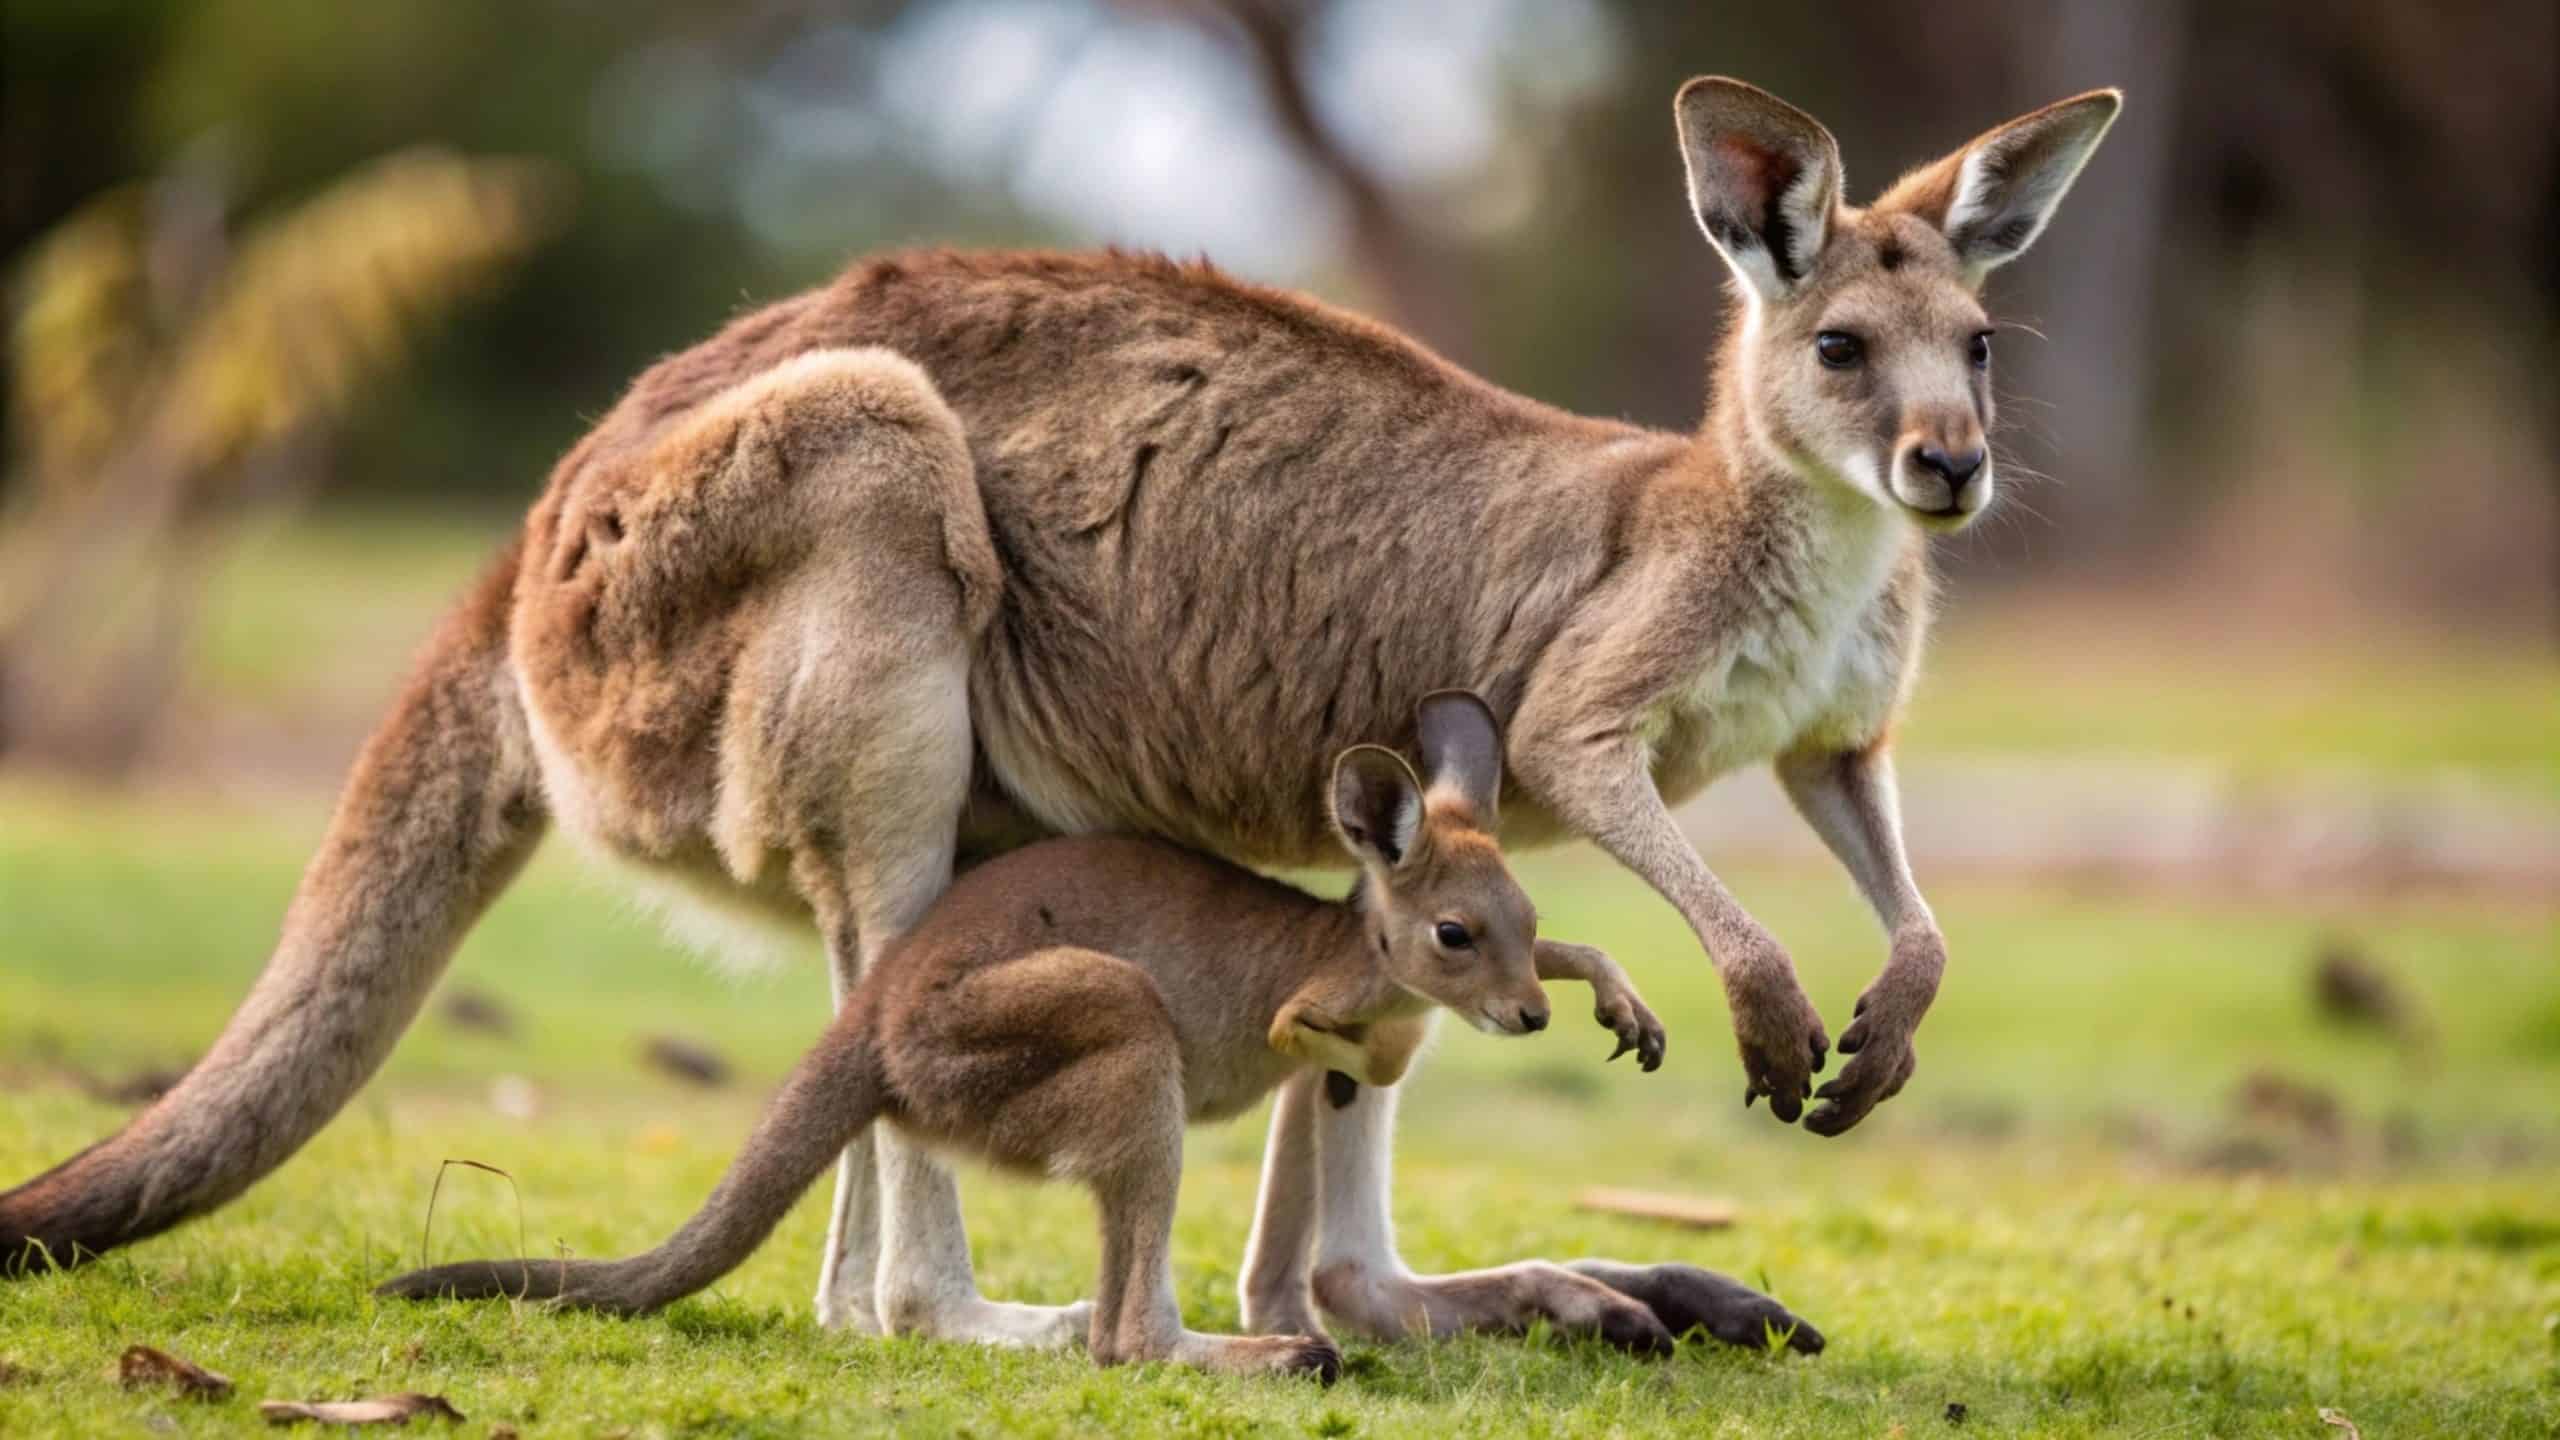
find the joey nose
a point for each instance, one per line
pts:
(1955, 469)
(1532, 1019)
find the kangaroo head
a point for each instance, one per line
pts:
(1863, 358)
(1449, 922)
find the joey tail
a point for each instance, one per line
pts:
(442, 809)
(832, 1097)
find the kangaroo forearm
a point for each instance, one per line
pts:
(1613, 803)
(1594, 772)
(1558, 960)
(1850, 799)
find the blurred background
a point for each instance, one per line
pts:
(2244, 708)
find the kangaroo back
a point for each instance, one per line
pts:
(831, 1098)
(442, 810)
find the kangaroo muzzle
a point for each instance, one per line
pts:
(1943, 474)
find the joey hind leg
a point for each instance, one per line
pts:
(1136, 1316)
(1139, 1319)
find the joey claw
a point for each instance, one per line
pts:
(1638, 1029)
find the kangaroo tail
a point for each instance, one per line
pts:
(443, 808)
(832, 1097)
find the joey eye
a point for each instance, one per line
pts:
(1839, 349)
(1978, 350)
(1453, 935)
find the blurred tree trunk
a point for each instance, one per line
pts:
(2093, 284)
(1405, 276)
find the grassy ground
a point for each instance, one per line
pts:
(2063, 1226)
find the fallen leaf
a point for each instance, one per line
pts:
(686, 1060)
(2339, 1419)
(1956, 1412)
(381, 1410)
(143, 1365)
(1698, 1212)
(502, 1432)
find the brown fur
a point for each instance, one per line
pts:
(1066, 1009)
(962, 550)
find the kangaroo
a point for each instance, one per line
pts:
(1064, 1010)
(963, 550)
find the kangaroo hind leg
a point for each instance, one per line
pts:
(1107, 1110)
(845, 745)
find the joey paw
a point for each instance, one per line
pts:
(1638, 1029)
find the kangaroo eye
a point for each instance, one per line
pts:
(1978, 350)
(1839, 349)
(1453, 935)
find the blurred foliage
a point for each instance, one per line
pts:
(314, 304)
(331, 295)
(168, 380)
(81, 341)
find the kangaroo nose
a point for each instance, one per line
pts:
(1954, 469)
(1532, 1020)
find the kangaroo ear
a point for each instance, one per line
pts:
(1462, 749)
(1993, 197)
(1377, 804)
(1763, 179)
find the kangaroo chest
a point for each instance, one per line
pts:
(1812, 657)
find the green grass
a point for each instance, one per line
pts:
(2028, 1231)
(2410, 707)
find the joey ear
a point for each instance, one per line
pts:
(1763, 179)
(1993, 197)
(1377, 804)
(1462, 749)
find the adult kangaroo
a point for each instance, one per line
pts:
(963, 550)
